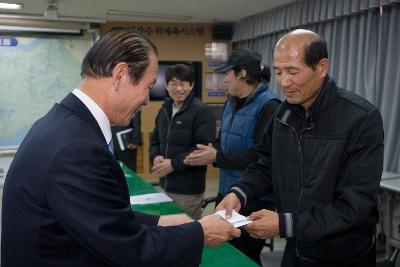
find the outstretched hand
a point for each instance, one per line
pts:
(265, 224)
(217, 230)
(202, 156)
(229, 203)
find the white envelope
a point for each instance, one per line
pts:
(237, 219)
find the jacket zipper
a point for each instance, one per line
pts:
(169, 132)
(301, 161)
(302, 178)
(300, 151)
(170, 124)
(166, 146)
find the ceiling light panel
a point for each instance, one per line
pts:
(10, 6)
(148, 15)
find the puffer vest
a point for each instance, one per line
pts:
(237, 130)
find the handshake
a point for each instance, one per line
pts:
(217, 229)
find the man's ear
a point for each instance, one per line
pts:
(323, 67)
(119, 73)
(242, 74)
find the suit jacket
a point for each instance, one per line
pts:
(66, 203)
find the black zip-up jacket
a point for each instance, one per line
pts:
(325, 172)
(175, 138)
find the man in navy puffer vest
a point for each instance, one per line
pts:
(249, 108)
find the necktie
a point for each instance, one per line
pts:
(111, 147)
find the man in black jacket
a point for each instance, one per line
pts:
(322, 156)
(182, 122)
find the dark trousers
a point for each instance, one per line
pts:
(245, 243)
(290, 259)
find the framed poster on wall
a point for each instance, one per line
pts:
(215, 85)
(216, 53)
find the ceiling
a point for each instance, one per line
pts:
(200, 11)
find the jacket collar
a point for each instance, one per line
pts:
(73, 103)
(169, 102)
(261, 87)
(328, 90)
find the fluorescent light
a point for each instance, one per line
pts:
(148, 15)
(10, 6)
(4, 28)
(60, 18)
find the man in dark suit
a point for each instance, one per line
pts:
(65, 200)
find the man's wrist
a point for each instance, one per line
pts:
(214, 155)
(240, 194)
(217, 156)
(286, 225)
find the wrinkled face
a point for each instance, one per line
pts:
(179, 90)
(300, 83)
(233, 83)
(133, 97)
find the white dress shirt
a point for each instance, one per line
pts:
(97, 113)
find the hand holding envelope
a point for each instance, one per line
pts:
(217, 230)
(260, 224)
(265, 224)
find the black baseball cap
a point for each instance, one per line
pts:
(239, 57)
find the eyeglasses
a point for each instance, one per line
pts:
(174, 85)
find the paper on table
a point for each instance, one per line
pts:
(237, 219)
(149, 199)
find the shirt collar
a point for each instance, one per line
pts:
(97, 113)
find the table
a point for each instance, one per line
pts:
(390, 184)
(224, 255)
